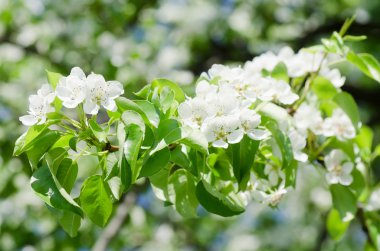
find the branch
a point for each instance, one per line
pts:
(116, 223)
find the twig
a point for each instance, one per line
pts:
(116, 223)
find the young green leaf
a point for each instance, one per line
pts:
(181, 190)
(46, 188)
(161, 83)
(344, 202)
(216, 202)
(95, 200)
(366, 64)
(335, 226)
(155, 162)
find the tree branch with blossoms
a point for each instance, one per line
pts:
(243, 136)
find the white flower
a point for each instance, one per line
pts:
(205, 90)
(72, 89)
(194, 111)
(265, 61)
(298, 144)
(249, 121)
(339, 168)
(38, 108)
(259, 87)
(334, 76)
(283, 93)
(374, 201)
(308, 117)
(223, 129)
(224, 102)
(339, 125)
(47, 93)
(100, 92)
(270, 197)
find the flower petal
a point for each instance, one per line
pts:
(28, 120)
(90, 107)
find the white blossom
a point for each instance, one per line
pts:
(283, 93)
(249, 121)
(338, 167)
(222, 130)
(101, 93)
(193, 112)
(334, 76)
(72, 89)
(298, 145)
(38, 108)
(308, 117)
(274, 174)
(339, 125)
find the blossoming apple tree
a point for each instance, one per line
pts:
(241, 137)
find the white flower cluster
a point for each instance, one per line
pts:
(227, 106)
(92, 90)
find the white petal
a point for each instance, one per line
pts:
(90, 107)
(110, 105)
(331, 178)
(345, 179)
(70, 103)
(347, 167)
(235, 136)
(289, 98)
(28, 120)
(62, 92)
(258, 134)
(220, 143)
(114, 89)
(184, 110)
(300, 156)
(78, 72)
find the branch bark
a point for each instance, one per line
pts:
(116, 223)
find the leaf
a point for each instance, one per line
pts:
(216, 202)
(335, 226)
(98, 131)
(346, 102)
(351, 38)
(24, 142)
(39, 147)
(70, 222)
(95, 200)
(46, 188)
(280, 72)
(73, 143)
(149, 109)
(159, 183)
(366, 64)
(125, 104)
(132, 117)
(323, 88)
(116, 187)
(166, 126)
(161, 83)
(344, 201)
(181, 190)
(53, 78)
(67, 173)
(242, 156)
(131, 148)
(289, 165)
(155, 162)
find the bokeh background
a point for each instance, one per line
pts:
(136, 41)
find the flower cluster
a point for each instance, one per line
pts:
(77, 88)
(228, 102)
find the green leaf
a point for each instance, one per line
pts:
(95, 200)
(351, 38)
(46, 188)
(98, 131)
(40, 146)
(70, 222)
(166, 126)
(132, 147)
(116, 187)
(155, 162)
(132, 117)
(181, 190)
(53, 78)
(54, 157)
(366, 64)
(67, 173)
(289, 165)
(335, 226)
(323, 88)
(144, 92)
(159, 183)
(346, 102)
(161, 83)
(73, 143)
(280, 72)
(216, 202)
(344, 202)
(150, 111)
(125, 104)
(242, 156)
(24, 142)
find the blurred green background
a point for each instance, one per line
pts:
(136, 41)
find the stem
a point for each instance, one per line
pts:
(116, 223)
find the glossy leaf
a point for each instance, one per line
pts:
(335, 226)
(155, 162)
(95, 200)
(344, 201)
(345, 101)
(161, 83)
